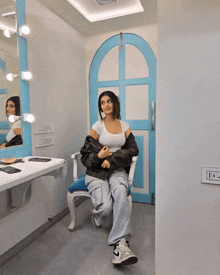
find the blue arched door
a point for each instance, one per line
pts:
(126, 65)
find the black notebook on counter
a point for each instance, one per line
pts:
(39, 159)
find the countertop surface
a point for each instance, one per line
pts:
(30, 170)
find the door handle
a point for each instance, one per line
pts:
(121, 41)
(152, 115)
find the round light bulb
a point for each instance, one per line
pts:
(25, 30)
(11, 118)
(7, 33)
(26, 75)
(9, 77)
(30, 118)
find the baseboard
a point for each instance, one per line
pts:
(12, 252)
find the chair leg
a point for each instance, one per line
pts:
(130, 202)
(71, 205)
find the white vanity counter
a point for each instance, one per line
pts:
(31, 170)
(29, 210)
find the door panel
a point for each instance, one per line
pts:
(135, 63)
(107, 72)
(137, 102)
(127, 67)
(142, 139)
(139, 175)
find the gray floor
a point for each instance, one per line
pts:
(85, 250)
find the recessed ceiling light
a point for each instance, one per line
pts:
(103, 2)
(93, 12)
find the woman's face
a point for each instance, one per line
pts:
(107, 105)
(10, 108)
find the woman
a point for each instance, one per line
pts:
(107, 155)
(14, 135)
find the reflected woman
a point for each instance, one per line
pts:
(14, 135)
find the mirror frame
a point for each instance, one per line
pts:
(26, 148)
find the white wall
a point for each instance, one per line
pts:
(58, 96)
(56, 57)
(187, 211)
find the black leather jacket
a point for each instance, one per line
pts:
(17, 140)
(122, 158)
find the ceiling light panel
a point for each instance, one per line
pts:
(104, 2)
(93, 11)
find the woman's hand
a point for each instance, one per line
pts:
(105, 164)
(2, 145)
(104, 152)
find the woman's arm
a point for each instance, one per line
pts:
(123, 157)
(106, 163)
(93, 152)
(3, 145)
(17, 131)
(104, 152)
(127, 133)
(93, 134)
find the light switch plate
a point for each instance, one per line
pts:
(44, 128)
(44, 141)
(210, 175)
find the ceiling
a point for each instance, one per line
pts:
(75, 19)
(4, 4)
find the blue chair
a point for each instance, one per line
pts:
(78, 188)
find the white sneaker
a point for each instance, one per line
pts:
(123, 255)
(96, 221)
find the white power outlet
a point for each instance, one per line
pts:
(44, 141)
(211, 175)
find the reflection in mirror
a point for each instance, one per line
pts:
(9, 131)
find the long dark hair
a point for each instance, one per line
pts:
(115, 101)
(16, 101)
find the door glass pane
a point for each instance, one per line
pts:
(109, 68)
(137, 102)
(135, 63)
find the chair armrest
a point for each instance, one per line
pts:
(74, 158)
(131, 171)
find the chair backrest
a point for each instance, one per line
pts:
(132, 170)
(74, 158)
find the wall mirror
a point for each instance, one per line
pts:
(13, 59)
(8, 61)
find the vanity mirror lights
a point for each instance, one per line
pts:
(24, 76)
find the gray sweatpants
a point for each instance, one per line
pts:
(110, 196)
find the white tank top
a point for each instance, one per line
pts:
(113, 141)
(11, 134)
